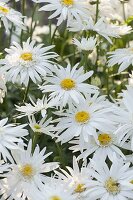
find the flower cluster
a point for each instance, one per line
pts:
(66, 114)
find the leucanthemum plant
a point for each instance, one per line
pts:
(114, 183)
(29, 109)
(26, 175)
(83, 120)
(29, 62)
(105, 145)
(11, 137)
(66, 9)
(76, 178)
(8, 15)
(68, 84)
(86, 44)
(66, 110)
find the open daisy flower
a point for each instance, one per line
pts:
(55, 189)
(101, 27)
(110, 184)
(76, 179)
(28, 172)
(32, 108)
(27, 62)
(122, 57)
(10, 138)
(105, 145)
(42, 127)
(83, 120)
(8, 14)
(66, 9)
(67, 84)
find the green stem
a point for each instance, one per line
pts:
(26, 92)
(50, 23)
(34, 141)
(97, 11)
(52, 38)
(60, 154)
(123, 9)
(85, 62)
(23, 13)
(33, 15)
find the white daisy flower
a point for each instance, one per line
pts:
(44, 126)
(8, 14)
(66, 84)
(122, 57)
(110, 184)
(66, 9)
(105, 145)
(28, 62)
(76, 178)
(10, 137)
(28, 173)
(102, 28)
(125, 116)
(108, 9)
(83, 120)
(86, 44)
(55, 189)
(3, 88)
(32, 108)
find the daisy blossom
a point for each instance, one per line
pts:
(113, 183)
(55, 189)
(66, 9)
(86, 44)
(43, 126)
(125, 116)
(28, 172)
(76, 178)
(10, 137)
(29, 109)
(83, 120)
(101, 27)
(8, 14)
(27, 62)
(32, 108)
(66, 84)
(105, 145)
(122, 57)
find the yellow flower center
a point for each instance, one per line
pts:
(80, 188)
(131, 181)
(112, 186)
(67, 84)
(37, 126)
(27, 171)
(67, 2)
(55, 198)
(26, 56)
(104, 139)
(4, 10)
(82, 117)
